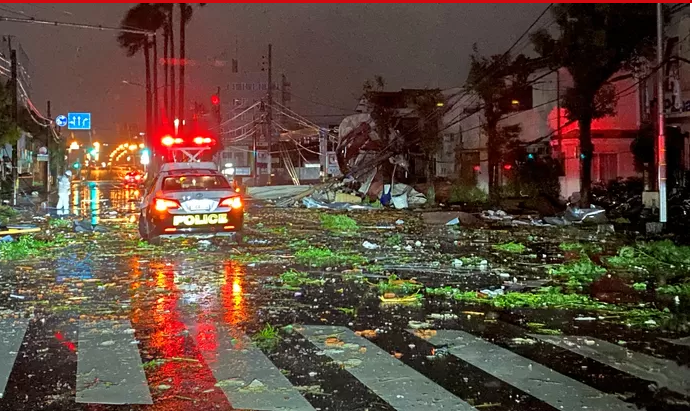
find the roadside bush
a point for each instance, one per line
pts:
(467, 194)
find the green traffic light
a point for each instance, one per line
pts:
(75, 165)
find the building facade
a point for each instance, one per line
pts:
(545, 129)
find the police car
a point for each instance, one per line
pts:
(190, 199)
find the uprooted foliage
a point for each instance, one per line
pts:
(324, 257)
(267, 338)
(552, 297)
(338, 223)
(576, 273)
(395, 285)
(581, 247)
(294, 279)
(27, 247)
(511, 247)
(662, 261)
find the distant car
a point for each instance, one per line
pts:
(133, 178)
(190, 199)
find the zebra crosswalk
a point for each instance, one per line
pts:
(110, 370)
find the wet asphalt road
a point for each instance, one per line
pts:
(110, 324)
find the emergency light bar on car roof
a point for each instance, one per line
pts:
(203, 165)
(198, 141)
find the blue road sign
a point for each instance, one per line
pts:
(79, 121)
(61, 121)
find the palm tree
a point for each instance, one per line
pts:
(185, 17)
(167, 26)
(144, 16)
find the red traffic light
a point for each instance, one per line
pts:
(507, 166)
(215, 99)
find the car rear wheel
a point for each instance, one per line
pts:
(238, 238)
(145, 232)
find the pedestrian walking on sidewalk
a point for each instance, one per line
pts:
(64, 193)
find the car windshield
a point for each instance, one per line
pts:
(195, 182)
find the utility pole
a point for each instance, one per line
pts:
(15, 121)
(254, 155)
(155, 74)
(270, 93)
(46, 165)
(324, 135)
(285, 98)
(559, 115)
(661, 146)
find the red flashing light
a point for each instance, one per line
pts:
(202, 140)
(167, 141)
(215, 99)
(507, 166)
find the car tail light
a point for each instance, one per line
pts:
(233, 202)
(162, 204)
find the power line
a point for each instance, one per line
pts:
(76, 25)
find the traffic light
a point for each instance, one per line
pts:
(216, 107)
(530, 156)
(75, 165)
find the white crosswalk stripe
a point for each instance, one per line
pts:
(245, 375)
(685, 341)
(109, 368)
(399, 385)
(547, 385)
(665, 373)
(11, 335)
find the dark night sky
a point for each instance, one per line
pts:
(327, 51)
